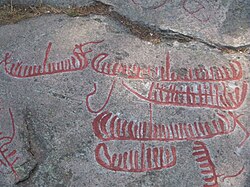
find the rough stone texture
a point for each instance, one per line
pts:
(3, 2)
(217, 21)
(55, 140)
(61, 3)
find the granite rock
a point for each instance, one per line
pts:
(93, 105)
(216, 21)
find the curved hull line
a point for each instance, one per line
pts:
(147, 159)
(76, 62)
(108, 127)
(188, 98)
(100, 64)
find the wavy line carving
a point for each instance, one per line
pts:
(147, 159)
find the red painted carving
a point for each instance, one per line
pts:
(208, 90)
(147, 159)
(235, 175)
(76, 62)
(163, 74)
(205, 164)
(108, 127)
(202, 88)
(106, 102)
(243, 128)
(201, 10)
(8, 157)
(206, 96)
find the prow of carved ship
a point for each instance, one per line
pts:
(78, 61)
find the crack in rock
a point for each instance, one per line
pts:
(141, 30)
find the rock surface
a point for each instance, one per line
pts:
(85, 103)
(217, 21)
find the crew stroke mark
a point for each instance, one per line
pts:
(147, 159)
(76, 62)
(108, 127)
(203, 158)
(203, 87)
(163, 74)
(212, 96)
(209, 88)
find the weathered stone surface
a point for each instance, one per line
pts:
(3, 2)
(61, 3)
(57, 108)
(217, 21)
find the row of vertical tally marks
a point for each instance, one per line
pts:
(108, 126)
(216, 96)
(205, 163)
(147, 159)
(78, 61)
(100, 64)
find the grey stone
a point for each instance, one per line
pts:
(57, 136)
(216, 21)
(3, 2)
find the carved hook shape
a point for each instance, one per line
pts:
(93, 93)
